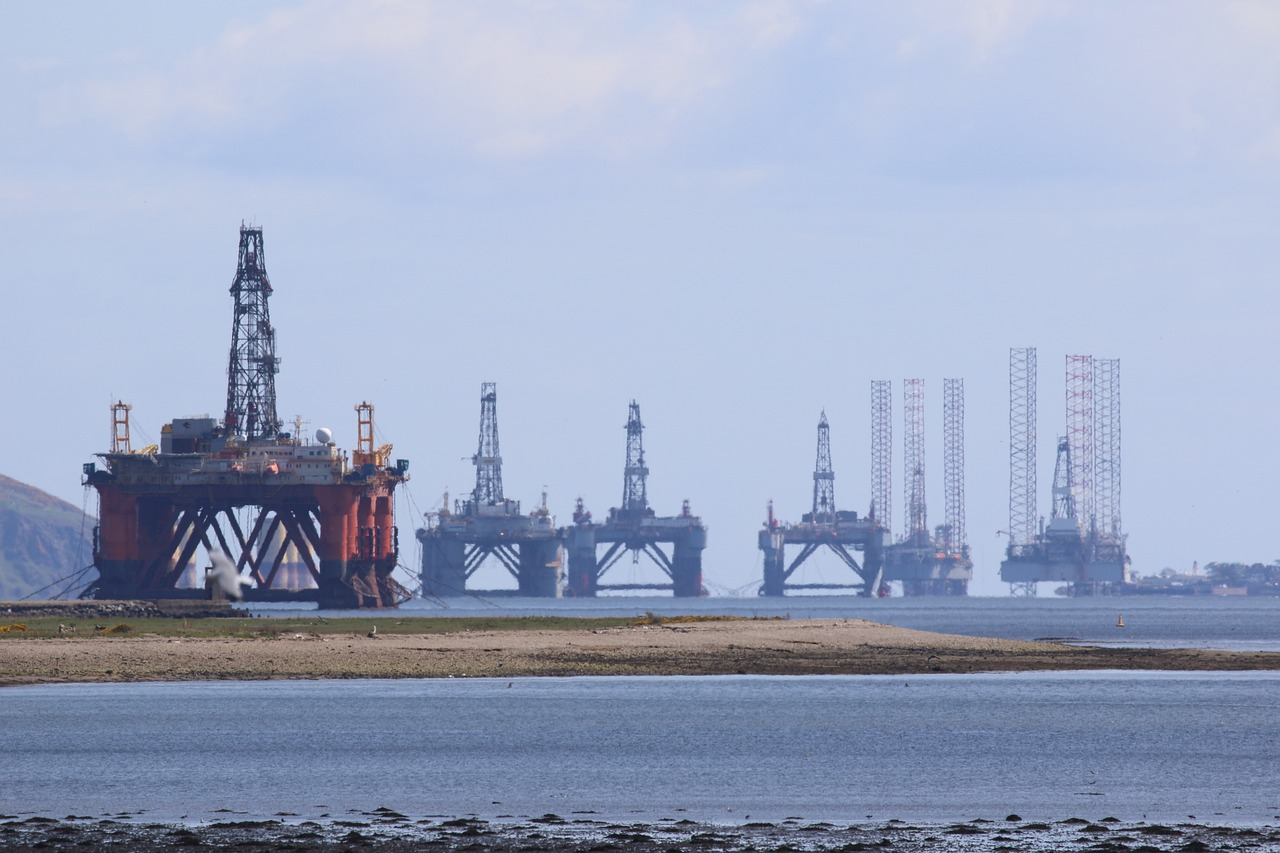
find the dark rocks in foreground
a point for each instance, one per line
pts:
(386, 830)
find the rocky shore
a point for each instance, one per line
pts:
(392, 832)
(764, 647)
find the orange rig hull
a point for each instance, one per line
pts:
(313, 530)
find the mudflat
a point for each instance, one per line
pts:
(677, 647)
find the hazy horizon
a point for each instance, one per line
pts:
(737, 214)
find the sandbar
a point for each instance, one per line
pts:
(758, 647)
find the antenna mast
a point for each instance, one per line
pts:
(252, 369)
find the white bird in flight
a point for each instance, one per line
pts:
(224, 574)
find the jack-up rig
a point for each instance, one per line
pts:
(456, 543)
(841, 531)
(296, 518)
(1082, 544)
(923, 564)
(633, 527)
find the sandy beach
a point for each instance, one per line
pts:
(765, 647)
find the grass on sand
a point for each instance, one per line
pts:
(249, 627)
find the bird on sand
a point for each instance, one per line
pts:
(224, 574)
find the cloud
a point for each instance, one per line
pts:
(990, 90)
(503, 80)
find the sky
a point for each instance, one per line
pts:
(736, 214)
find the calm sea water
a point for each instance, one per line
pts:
(1239, 624)
(1163, 746)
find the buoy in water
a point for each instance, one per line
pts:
(1120, 621)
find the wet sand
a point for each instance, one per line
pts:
(764, 647)
(386, 830)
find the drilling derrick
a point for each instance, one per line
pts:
(824, 479)
(635, 501)
(488, 461)
(882, 453)
(938, 564)
(634, 528)
(1082, 543)
(251, 373)
(295, 519)
(455, 544)
(840, 531)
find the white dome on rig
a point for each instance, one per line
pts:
(324, 435)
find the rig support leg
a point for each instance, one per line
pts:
(584, 570)
(775, 571)
(444, 569)
(338, 521)
(539, 573)
(686, 564)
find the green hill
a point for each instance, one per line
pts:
(42, 539)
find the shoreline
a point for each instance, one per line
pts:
(674, 647)
(387, 830)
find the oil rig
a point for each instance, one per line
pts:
(923, 564)
(1082, 543)
(456, 543)
(298, 520)
(840, 531)
(634, 528)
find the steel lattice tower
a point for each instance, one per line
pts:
(634, 496)
(488, 460)
(1064, 487)
(953, 462)
(882, 452)
(1022, 446)
(1106, 377)
(913, 456)
(824, 478)
(1080, 429)
(251, 372)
